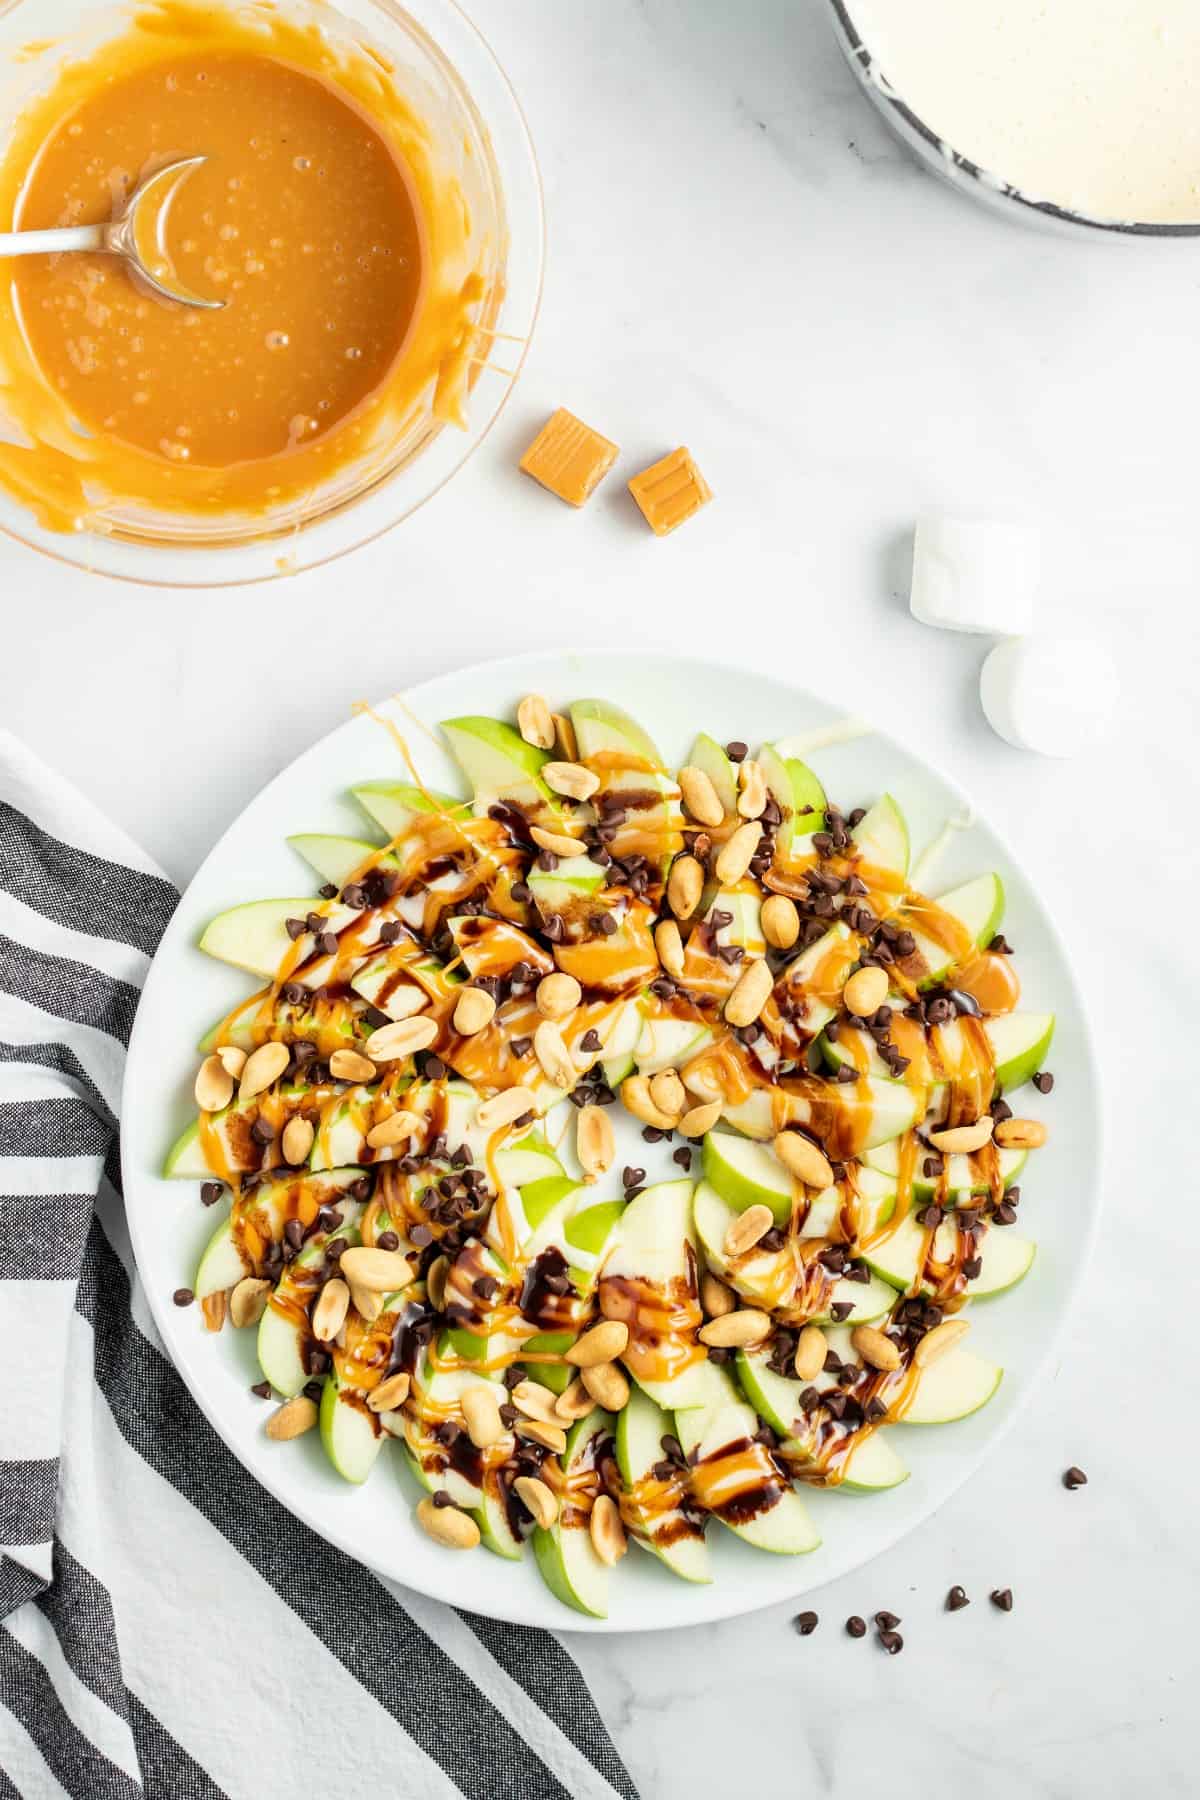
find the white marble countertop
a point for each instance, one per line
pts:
(742, 260)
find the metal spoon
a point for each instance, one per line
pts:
(137, 233)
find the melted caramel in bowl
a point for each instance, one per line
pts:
(323, 219)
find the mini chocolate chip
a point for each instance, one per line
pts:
(211, 1192)
(841, 1310)
(972, 1268)
(856, 1627)
(1000, 1110)
(1005, 1214)
(1002, 1598)
(295, 928)
(442, 1498)
(520, 1046)
(846, 1074)
(683, 1157)
(887, 1621)
(591, 1041)
(1074, 1478)
(1043, 1081)
(892, 1642)
(652, 1135)
(388, 1240)
(327, 943)
(183, 1296)
(956, 1599)
(1000, 945)
(262, 1389)
(737, 751)
(806, 1623)
(435, 1070)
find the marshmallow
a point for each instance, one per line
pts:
(974, 575)
(1050, 694)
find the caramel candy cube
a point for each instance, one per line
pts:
(670, 491)
(569, 458)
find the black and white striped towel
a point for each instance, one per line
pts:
(168, 1629)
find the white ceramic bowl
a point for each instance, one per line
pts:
(674, 698)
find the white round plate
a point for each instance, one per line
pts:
(673, 698)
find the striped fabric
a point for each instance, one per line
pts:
(168, 1629)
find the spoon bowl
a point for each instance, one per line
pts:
(137, 234)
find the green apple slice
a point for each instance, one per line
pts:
(745, 1173)
(1020, 1043)
(961, 1177)
(655, 1245)
(223, 1263)
(494, 946)
(558, 891)
(881, 837)
(569, 1565)
(497, 762)
(668, 1043)
(255, 936)
(641, 1427)
(280, 1340)
(393, 805)
(351, 1435)
(952, 1388)
(724, 1430)
(336, 859)
(491, 1515)
(708, 756)
(761, 1276)
(441, 1391)
(876, 1110)
(799, 795)
(1006, 1260)
(872, 1467)
(900, 1258)
(607, 733)
(978, 906)
(530, 1159)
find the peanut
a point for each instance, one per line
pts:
(715, 1297)
(557, 996)
(391, 1043)
(943, 1337)
(502, 1109)
(535, 1401)
(810, 1353)
(594, 1142)
(668, 1092)
(737, 853)
(685, 884)
(552, 1053)
(669, 945)
(961, 1140)
(699, 1119)
(571, 779)
(292, 1419)
(746, 1230)
(481, 1415)
(447, 1526)
(329, 1313)
(803, 1159)
(535, 722)
(751, 993)
(214, 1085)
(379, 1271)
(540, 1431)
(736, 1330)
(635, 1098)
(574, 1402)
(391, 1393)
(753, 798)
(538, 1499)
(865, 991)
(606, 1531)
(348, 1065)
(233, 1059)
(1020, 1134)
(875, 1347)
(603, 1343)
(780, 921)
(297, 1140)
(263, 1066)
(700, 796)
(607, 1385)
(248, 1301)
(397, 1128)
(557, 842)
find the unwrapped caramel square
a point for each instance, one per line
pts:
(569, 458)
(670, 491)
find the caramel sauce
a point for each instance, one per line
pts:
(738, 1481)
(614, 965)
(661, 1512)
(662, 1322)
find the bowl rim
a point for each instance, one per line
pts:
(278, 543)
(972, 176)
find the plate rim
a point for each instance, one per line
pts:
(714, 1603)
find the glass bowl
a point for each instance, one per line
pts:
(441, 61)
(961, 173)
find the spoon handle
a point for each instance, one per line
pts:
(42, 243)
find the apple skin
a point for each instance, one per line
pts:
(394, 804)
(565, 1558)
(602, 729)
(795, 788)
(953, 1388)
(497, 762)
(707, 755)
(761, 1180)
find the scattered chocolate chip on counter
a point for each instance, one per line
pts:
(1002, 1598)
(956, 1599)
(1074, 1477)
(806, 1623)
(856, 1627)
(183, 1296)
(892, 1642)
